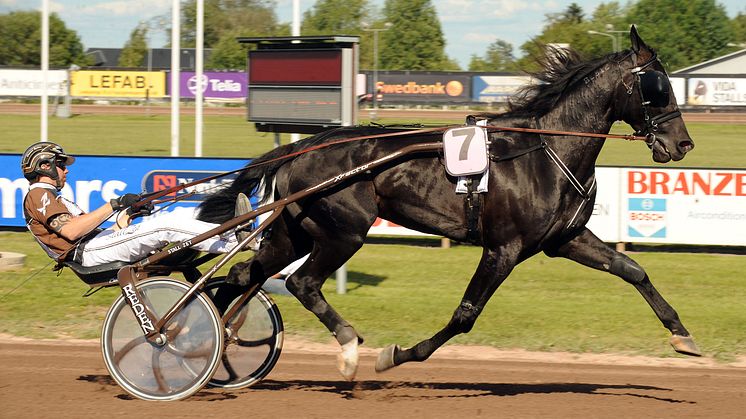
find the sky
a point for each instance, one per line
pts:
(469, 25)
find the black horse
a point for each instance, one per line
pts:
(540, 198)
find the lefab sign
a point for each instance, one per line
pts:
(134, 84)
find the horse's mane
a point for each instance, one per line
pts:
(561, 69)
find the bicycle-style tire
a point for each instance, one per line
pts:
(253, 340)
(172, 371)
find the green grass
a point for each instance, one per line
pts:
(403, 294)
(716, 145)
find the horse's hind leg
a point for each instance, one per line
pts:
(494, 267)
(305, 284)
(589, 250)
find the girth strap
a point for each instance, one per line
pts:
(473, 205)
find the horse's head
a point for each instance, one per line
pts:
(649, 105)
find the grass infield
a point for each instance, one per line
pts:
(716, 145)
(403, 293)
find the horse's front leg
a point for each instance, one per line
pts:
(589, 250)
(494, 267)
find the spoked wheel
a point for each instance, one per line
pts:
(253, 337)
(183, 364)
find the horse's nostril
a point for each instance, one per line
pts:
(686, 146)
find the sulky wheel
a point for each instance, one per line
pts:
(176, 369)
(253, 337)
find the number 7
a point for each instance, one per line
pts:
(469, 134)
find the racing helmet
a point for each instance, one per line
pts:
(40, 153)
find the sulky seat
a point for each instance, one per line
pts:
(99, 275)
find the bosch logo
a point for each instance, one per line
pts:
(647, 204)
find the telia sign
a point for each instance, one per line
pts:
(215, 85)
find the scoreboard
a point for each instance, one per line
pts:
(302, 84)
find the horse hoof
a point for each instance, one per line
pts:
(385, 359)
(347, 360)
(685, 345)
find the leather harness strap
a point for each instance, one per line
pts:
(473, 204)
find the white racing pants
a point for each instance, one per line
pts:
(153, 233)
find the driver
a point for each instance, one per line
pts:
(65, 232)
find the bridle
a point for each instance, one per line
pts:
(659, 97)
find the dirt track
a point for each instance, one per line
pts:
(410, 114)
(42, 379)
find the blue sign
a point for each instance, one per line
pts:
(646, 217)
(94, 180)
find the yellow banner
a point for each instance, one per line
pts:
(134, 84)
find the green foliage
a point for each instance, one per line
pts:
(499, 57)
(343, 17)
(717, 145)
(20, 40)
(402, 294)
(135, 50)
(739, 29)
(684, 32)
(224, 21)
(415, 40)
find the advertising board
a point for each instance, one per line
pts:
(604, 222)
(30, 82)
(229, 85)
(678, 85)
(94, 180)
(716, 91)
(490, 89)
(638, 205)
(421, 87)
(685, 206)
(129, 84)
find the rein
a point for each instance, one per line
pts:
(153, 196)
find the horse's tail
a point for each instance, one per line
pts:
(219, 207)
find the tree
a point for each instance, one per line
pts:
(684, 32)
(499, 57)
(135, 50)
(228, 54)
(415, 40)
(739, 28)
(20, 40)
(225, 20)
(573, 14)
(342, 17)
(567, 27)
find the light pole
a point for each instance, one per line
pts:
(366, 27)
(613, 38)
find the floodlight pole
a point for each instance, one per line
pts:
(387, 25)
(44, 135)
(613, 38)
(175, 70)
(199, 94)
(295, 32)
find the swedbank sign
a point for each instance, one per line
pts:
(134, 84)
(397, 87)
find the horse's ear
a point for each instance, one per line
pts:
(637, 43)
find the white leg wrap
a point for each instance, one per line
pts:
(347, 360)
